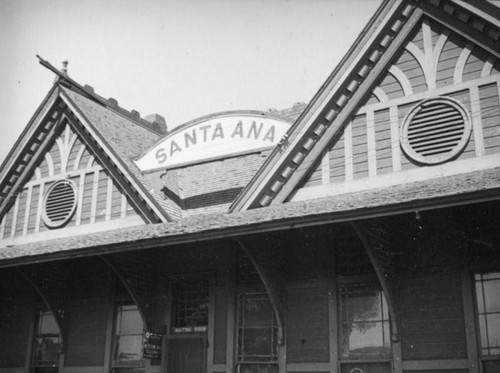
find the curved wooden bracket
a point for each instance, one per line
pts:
(271, 289)
(370, 238)
(129, 289)
(55, 304)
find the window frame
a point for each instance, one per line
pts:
(364, 283)
(194, 330)
(35, 364)
(117, 364)
(480, 348)
(240, 358)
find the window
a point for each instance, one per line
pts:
(47, 341)
(365, 323)
(128, 338)
(488, 309)
(191, 306)
(257, 334)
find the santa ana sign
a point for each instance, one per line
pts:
(215, 136)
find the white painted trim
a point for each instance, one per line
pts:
(81, 187)
(62, 153)
(430, 57)
(79, 156)
(477, 126)
(438, 48)
(488, 66)
(109, 198)
(27, 210)
(14, 216)
(349, 167)
(395, 147)
(39, 208)
(380, 94)
(371, 144)
(402, 80)
(399, 178)
(71, 143)
(460, 65)
(65, 175)
(433, 93)
(115, 160)
(95, 189)
(123, 209)
(325, 168)
(419, 56)
(319, 103)
(38, 173)
(129, 221)
(50, 163)
(90, 162)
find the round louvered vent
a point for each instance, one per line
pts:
(59, 203)
(435, 130)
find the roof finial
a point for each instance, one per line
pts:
(64, 68)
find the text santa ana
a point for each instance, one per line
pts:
(213, 137)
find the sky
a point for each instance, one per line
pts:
(182, 59)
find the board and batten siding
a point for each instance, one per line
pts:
(99, 199)
(434, 63)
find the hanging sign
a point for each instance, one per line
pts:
(151, 345)
(213, 137)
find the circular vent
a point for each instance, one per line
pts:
(59, 203)
(435, 130)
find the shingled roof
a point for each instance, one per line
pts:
(461, 189)
(126, 137)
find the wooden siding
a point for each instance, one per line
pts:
(99, 199)
(17, 314)
(434, 62)
(432, 319)
(307, 324)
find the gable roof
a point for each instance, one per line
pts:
(109, 133)
(473, 187)
(351, 82)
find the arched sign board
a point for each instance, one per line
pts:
(212, 137)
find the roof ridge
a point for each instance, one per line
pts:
(88, 91)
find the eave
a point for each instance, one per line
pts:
(474, 187)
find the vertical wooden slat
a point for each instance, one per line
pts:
(325, 169)
(477, 126)
(81, 188)
(95, 187)
(30, 344)
(211, 328)
(460, 64)
(27, 210)
(39, 208)
(371, 145)
(469, 319)
(333, 325)
(396, 151)
(123, 206)
(349, 168)
(14, 217)
(109, 198)
(2, 226)
(231, 310)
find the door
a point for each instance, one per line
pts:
(186, 355)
